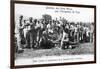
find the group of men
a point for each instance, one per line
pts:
(41, 33)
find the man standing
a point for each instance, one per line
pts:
(19, 34)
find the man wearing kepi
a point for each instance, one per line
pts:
(19, 34)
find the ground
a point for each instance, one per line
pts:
(83, 48)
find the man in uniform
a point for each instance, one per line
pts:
(19, 34)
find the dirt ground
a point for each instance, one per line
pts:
(84, 48)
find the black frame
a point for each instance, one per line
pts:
(12, 65)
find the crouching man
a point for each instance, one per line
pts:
(65, 37)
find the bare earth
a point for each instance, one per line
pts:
(84, 48)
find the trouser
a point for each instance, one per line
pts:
(31, 39)
(91, 37)
(19, 45)
(80, 36)
(28, 40)
(63, 39)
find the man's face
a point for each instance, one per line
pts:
(21, 17)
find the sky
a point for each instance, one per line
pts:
(72, 14)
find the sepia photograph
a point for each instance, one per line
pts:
(46, 33)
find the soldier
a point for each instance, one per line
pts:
(30, 33)
(19, 34)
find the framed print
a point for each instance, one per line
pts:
(51, 34)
